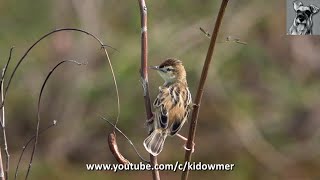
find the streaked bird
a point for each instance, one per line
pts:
(172, 105)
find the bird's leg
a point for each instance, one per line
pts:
(185, 139)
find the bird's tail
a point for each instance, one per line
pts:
(154, 142)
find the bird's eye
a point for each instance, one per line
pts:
(169, 69)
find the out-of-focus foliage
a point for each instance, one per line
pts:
(260, 105)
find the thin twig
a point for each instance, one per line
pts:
(1, 167)
(3, 120)
(195, 113)
(38, 111)
(205, 32)
(125, 136)
(144, 74)
(103, 46)
(235, 40)
(227, 39)
(26, 145)
(3, 175)
(66, 29)
(6, 66)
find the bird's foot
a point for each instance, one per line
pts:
(185, 147)
(195, 105)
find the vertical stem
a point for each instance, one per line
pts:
(4, 173)
(144, 74)
(195, 113)
(1, 167)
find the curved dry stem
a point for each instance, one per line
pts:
(33, 45)
(67, 29)
(125, 136)
(112, 142)
(27, 144)
(38, 111)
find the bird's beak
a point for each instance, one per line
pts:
(154, 67)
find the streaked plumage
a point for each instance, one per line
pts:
(172, 105)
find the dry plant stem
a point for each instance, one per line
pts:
(195, 113)
(26, 145)
(144, 74)
(2, 175)
(1, 168)
(4, 133)
(3, 120)
(38, 111)
(115, 150)
(113, 142)
(103, 46)
(7, 64)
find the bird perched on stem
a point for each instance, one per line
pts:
(172, 105)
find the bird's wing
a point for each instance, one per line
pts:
(181, 111)
(172, 107)
(161, 110)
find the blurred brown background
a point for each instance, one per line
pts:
(260, 108)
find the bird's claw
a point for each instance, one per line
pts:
(187, 149)
(186, 140)
(195, 105)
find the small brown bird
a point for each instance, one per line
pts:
(172, 105)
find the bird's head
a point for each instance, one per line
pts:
(171, 70)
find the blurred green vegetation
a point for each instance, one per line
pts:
(260, 108)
